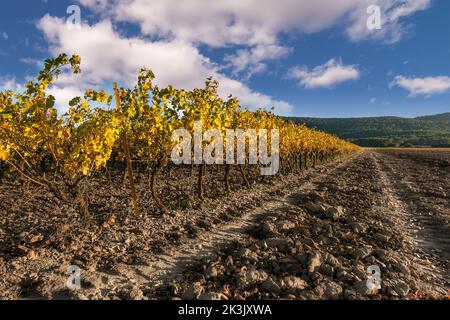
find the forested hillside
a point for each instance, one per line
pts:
(431, 131)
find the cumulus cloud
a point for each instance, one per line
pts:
(423, 86)
(327, 75)
(222, 22)
(254, 22)
(253, 61)
(107, 56)
(255, 25)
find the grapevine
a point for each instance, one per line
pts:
(51, 150)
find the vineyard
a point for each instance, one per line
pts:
(97, 188)
(58, 152)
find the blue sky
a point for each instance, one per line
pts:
(307, 58)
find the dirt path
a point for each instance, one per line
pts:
(421, 188)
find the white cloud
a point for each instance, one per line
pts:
(392, 12)
(63, 95)
(3, 35)
(253, 61)
(252, 98)
(327, 75)
(32, 61)
(9, 83)
(423, 86)
(107, 57)
(222, 22)
(255, 22)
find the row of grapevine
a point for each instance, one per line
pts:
(57, 152)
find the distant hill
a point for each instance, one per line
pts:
(429, 131)
(443, 117)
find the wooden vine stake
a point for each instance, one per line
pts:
(126, 149)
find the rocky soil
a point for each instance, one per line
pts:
(319, 244)
(306, 236)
